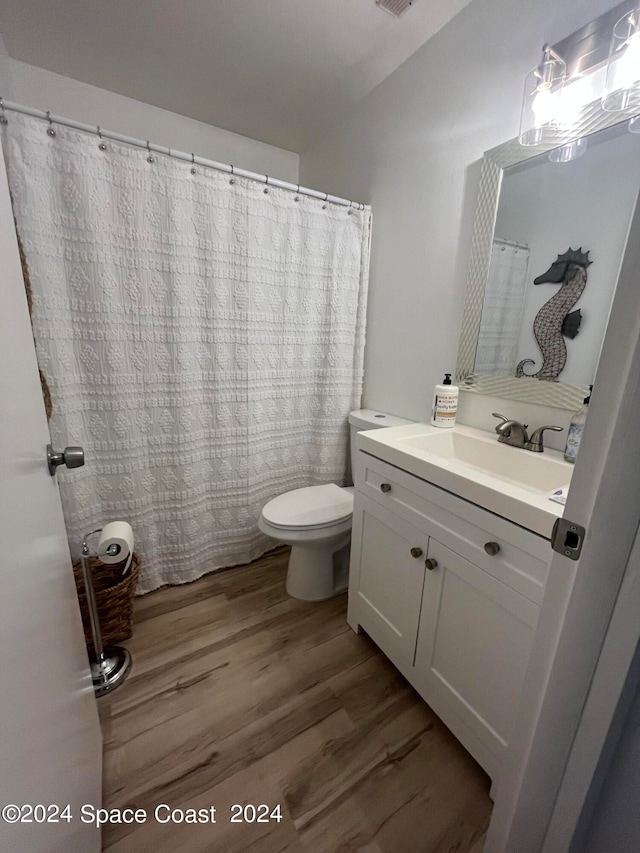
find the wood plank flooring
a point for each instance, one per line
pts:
(240, 694)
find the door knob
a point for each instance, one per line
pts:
(431, 564)
(72, 457)
(416, 552)
(385, 487)
(492, 548)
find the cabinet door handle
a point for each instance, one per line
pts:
(492, 548)
(430, 564)
(416, 552)
(385, 487)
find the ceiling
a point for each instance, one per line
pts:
(279, 71)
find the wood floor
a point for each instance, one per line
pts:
(240, 694)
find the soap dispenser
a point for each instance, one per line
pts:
(445, 403)
(576, 428)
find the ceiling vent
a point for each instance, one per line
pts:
(395, 7)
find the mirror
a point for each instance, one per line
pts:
(548, 243)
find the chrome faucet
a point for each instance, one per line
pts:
(514, 433)
(511, 432)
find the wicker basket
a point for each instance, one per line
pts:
(114, 599)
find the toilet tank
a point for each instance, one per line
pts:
(370, 419)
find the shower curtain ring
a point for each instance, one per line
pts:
(50, 130)
(266, 189)
(150, 158)
(297, 197)
(232, 180)
(326, 196)
(102, 144)
(3, 118)
(193, 165)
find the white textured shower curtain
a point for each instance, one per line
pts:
(502, 309)
(202, 339)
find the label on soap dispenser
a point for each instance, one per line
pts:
(445, 408)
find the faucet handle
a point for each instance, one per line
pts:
(535, 442)
(511, 432)
(503, 420)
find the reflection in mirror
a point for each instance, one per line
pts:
(559, 237)
(555, 321)
(549, 208)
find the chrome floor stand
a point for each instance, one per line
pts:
(110, 666)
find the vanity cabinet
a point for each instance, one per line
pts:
(391, 580)
(451, 594)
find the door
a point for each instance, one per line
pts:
(386, 579)
(473, 645)
(576, 614)
(50, 743)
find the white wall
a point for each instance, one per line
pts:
(412, 149)
(44, 90)
(586, 203)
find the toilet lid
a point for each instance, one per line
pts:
(314, 506)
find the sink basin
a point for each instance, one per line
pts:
(536, 471)
(471, 463)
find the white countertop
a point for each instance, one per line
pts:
(511, 482)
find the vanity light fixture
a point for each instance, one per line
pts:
(540, 103)
(593, 72)
(622, 84)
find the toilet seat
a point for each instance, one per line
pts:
(310, 508)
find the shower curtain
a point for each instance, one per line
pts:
(502, 309)
(202, 336)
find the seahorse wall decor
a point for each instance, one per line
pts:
(553, 322)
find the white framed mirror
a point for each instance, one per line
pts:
(530, 211)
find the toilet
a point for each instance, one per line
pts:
(316, 522)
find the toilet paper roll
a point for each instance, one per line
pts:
(116, 533)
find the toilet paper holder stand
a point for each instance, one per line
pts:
(110, 666)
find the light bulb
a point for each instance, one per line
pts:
(543, 107)
(573, 99)
(542, 87)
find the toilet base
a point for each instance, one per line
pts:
(316, 574)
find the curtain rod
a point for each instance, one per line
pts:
(510, 243)
(178, 155)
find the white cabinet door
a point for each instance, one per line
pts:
(386, 579)
(473, 645)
